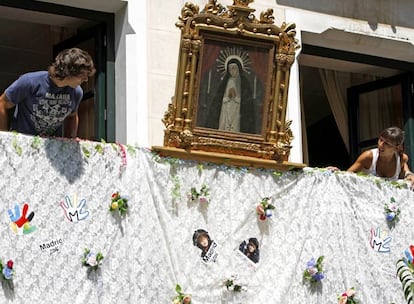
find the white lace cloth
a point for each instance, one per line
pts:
(151, 250)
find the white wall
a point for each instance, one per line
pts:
(131, 84)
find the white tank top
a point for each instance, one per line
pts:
(373, 169)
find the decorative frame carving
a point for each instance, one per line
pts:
(264, 53)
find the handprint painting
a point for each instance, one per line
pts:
(74, 211)
(380, 240)
(20, 220)
(208, 247)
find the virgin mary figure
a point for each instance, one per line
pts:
(232, 109)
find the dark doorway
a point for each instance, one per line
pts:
(32, 32)
(323, 143)
(377, 105)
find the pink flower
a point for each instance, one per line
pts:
(312, 270)
(350, 292)
(393, 207)
(260, 209)
(343, 299)
(202, 199)
(187, 299)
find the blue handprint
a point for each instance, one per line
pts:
(378, 242)
(21, 221)
(74, 213)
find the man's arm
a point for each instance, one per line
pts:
(5, 104)
(364, 161)
(70, 126)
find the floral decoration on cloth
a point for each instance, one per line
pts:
(7, 270)
(119, 202)
(200, 196)
(231, 284)
(405, 272)
(348, 297)
(181, 297)
(409, 258)
(314, 270)
(91, 259)
(392, 211)
(265, 209)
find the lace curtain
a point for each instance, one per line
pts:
(151, 249)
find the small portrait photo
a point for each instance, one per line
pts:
(208, 247)
(250, 249)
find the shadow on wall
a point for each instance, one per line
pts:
(372, 11)
(66, 158)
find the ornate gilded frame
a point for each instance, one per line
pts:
(219, 29)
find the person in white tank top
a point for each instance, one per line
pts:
(373, 169)
(388, 160)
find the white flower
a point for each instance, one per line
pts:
(91, 259)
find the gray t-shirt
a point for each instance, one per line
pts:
(41, 106)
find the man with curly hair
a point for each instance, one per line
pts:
(46, 102)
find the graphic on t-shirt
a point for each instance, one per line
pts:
(49, 113)
(208, 247)
(250, 249)
(20, 220)
(74, 211)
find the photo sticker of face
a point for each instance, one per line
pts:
(208, 247)
(250, 249)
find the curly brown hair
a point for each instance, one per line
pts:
(72, 63)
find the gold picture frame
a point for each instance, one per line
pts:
(231, 89)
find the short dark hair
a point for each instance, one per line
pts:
(254, 242)
(394, 135)
(71, 63)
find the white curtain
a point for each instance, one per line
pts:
(335, 85)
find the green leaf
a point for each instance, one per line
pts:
(320, 259)
(131, 150)
(86, 152)
(36, 142)
(99, 149)
(17, 147)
